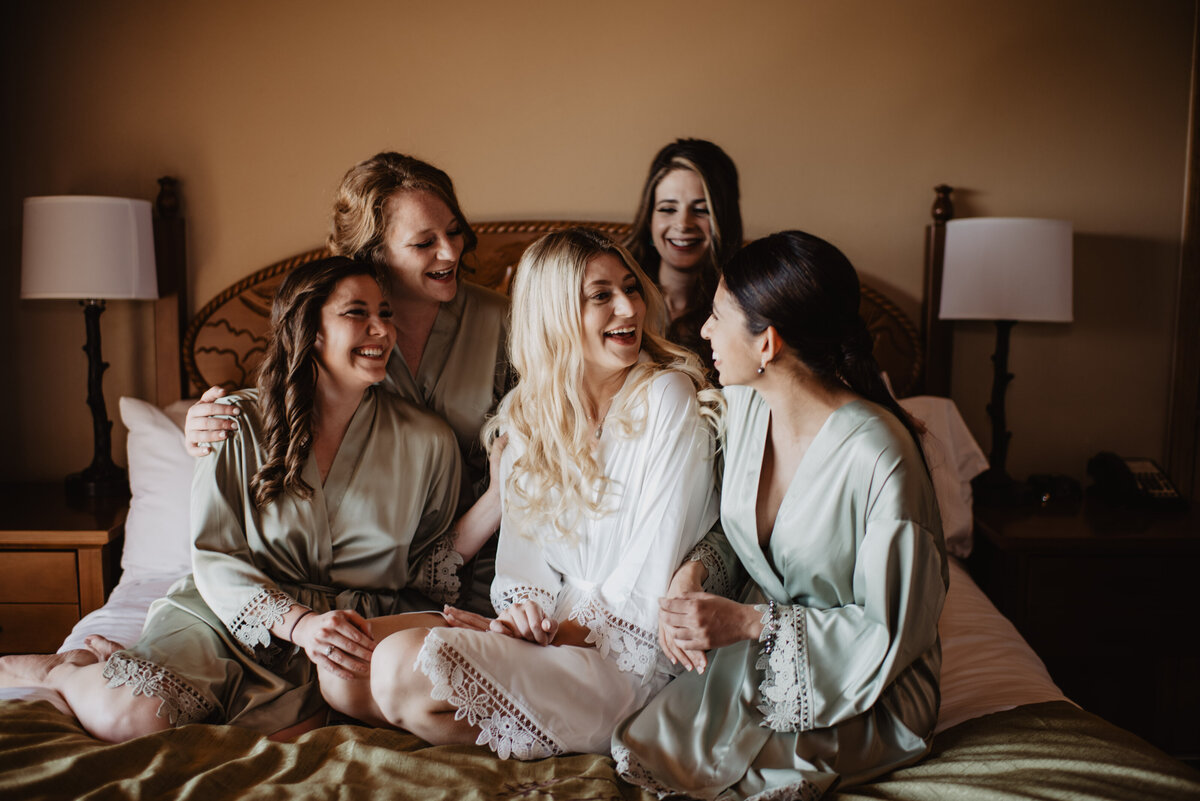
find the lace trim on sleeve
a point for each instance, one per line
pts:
(633, 648)
(501, 600)
(437, 578)
(181, 703)
(718, 581)
(786, 689)
(503, 726)
(252, 624)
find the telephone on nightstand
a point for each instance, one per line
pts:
(1132, 482)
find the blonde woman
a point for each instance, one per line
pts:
(606, 484)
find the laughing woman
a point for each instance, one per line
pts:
(828, 504)
(606, 483)
(293, 549)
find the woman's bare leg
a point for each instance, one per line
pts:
(354, 697)
(113, 714)
(404, 695)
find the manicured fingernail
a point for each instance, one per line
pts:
(234, 426)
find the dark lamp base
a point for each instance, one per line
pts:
(110, 482)
(997, 488)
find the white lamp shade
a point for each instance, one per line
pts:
(1004, 268)
(86, 247)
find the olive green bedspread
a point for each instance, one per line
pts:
(1045, 751)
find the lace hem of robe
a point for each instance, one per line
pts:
(718, 581)
(437, 577)
(180, 702)
(786, 688)
(633, 648)
(252, 624)
(632, 771)
(516, 595)
(503, 727)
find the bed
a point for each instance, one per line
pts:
(1005, 731)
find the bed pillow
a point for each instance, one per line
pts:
(157, 534)
(954, 459)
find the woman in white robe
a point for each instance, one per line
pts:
(828, 675)
(607, 482)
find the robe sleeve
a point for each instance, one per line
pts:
(824, 666)
(433, 562)
(241, 594)
(676, 504)
(522, 572)
(726, 576)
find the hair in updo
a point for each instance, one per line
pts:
(808, 291)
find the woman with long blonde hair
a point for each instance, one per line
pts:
(606, 484)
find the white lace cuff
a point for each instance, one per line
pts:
(503, 726)
(181, 703)
(633, 648)
(502, 599)
(252, 624)
(437, 578)
(718, 581)
(786, 688)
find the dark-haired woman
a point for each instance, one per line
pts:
(293, 548)
(688, 225)
(830, 672)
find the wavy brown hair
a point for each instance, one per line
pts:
(287, 376)
(360, 223)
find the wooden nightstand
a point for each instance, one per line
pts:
(1110, 599)
(58, 561)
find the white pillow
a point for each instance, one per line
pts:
(954, 459)
(158, 537)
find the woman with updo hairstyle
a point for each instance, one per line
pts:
(825, 670)
(688, 225)
(305, 547)
(607, 481)
(401, 213)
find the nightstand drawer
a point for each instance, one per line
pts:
(38, 577)
(35, 628)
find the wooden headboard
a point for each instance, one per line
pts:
(225, 340)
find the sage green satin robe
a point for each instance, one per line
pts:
(856, 564)
(372, 539)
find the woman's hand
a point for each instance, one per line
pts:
(700, 621)
(689, 578)
(526, 621)
(338, 641)
(202, 427)
(462, 619)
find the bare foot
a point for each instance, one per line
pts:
(101, 646)
(32, 670)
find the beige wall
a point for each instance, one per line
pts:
(841, 116)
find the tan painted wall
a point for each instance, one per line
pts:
(840, 115)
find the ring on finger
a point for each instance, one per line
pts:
(328, 650)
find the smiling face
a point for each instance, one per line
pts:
(680, 227)
(612, 311)
(736, 352)
(423, 246)
(356, 335)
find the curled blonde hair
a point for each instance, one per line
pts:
(360, 222)
(557, 479)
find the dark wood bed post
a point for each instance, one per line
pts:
(937, 336)
(170, 310)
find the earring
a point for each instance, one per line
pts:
(762, 369)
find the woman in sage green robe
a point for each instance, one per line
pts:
(831, 672)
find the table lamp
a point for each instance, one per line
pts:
(1005, 270)
(91, 249)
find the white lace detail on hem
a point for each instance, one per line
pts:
(633, 648)
(632, 771)
(503, 727)
(516, 595)
(437, 578)
(718, 581)
(252, 624)
(181, 703)
(785, 687)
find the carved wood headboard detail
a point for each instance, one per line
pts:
(226, 339)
